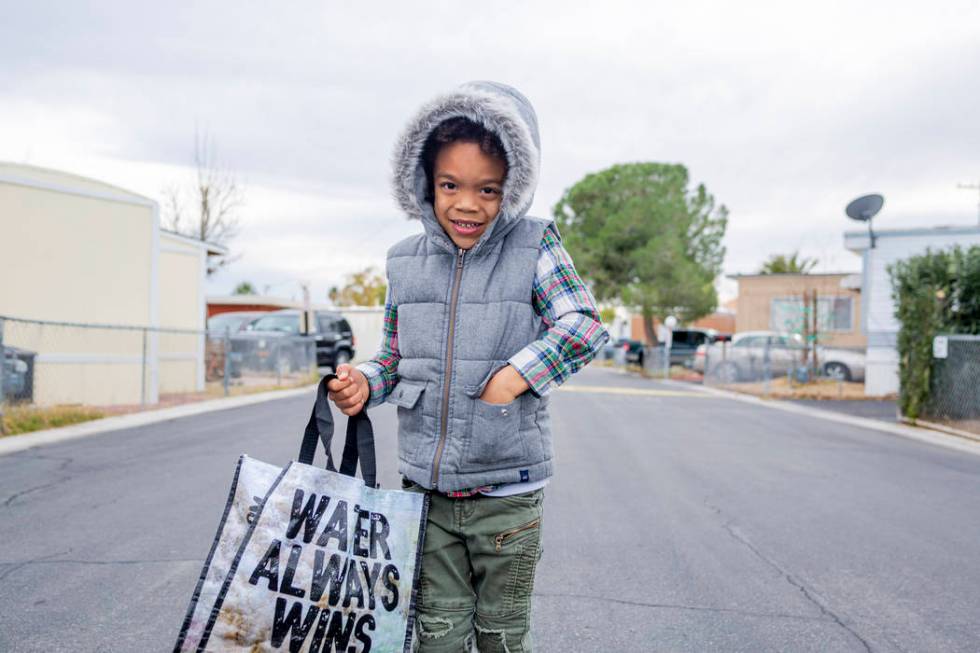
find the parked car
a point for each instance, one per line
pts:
(744, 358)
(633, 349)
(272, 341)
(685, 342)
(261, 339)
(334, 340)
(219, 327)
(17, 374)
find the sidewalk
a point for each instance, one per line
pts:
(12, 443)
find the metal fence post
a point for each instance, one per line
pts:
(3, 376)
(311, 357)
(275, 360)
(226, 344)
(766, 368)
(143, 372)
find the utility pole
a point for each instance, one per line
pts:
(975, 187)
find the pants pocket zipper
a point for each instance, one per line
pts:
(499, 540)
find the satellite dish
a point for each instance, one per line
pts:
(863, 209)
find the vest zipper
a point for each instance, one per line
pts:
(499, 540)
(444, 421)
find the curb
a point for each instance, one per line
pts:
(933, 426)
(942, 439)
(12, 443)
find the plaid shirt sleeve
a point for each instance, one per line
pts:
(574, 331)
(382, 370)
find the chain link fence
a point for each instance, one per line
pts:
(46, 363)
(954, 388)
(725, 365)
(652, 360)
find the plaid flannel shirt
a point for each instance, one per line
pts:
(574, 331)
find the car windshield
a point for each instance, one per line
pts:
(284, 323)
(229, 321)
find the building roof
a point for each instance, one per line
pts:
(21, 174)
(213, 249)
(859, 240)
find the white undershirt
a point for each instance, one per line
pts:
(509, 489)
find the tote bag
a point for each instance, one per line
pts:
(308, 559)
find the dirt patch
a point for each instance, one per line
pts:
(780, 388)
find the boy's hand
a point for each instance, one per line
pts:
(504, 387)
(350, 390)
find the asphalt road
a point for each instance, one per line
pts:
(675, 523)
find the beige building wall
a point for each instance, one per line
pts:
(77, 250)
(757, 292)
(183, 268)
(366, 323)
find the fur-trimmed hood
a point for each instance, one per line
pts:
(500, 109)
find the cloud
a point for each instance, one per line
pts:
(785, 112)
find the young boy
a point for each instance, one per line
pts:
(485, 315)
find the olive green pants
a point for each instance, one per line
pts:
(478, 563)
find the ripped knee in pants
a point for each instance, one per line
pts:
(492, 640)
(432, 632)
(434, 627)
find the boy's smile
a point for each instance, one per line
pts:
(468, 189)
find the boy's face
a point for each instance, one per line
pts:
(468, 188)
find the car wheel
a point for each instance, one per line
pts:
(342, 358)
(727, 373)
(837, 371)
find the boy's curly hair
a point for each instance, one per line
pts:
(451, 131)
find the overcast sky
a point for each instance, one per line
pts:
(784, 110)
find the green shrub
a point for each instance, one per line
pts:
(937, 292)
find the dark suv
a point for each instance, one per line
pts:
(334, 339)
(685, 342)
(332, 333)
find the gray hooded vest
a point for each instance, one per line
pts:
(463, 314)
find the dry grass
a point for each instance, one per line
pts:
(677, 373)
(24, 419)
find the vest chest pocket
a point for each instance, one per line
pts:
(411, 436)
(495, 437)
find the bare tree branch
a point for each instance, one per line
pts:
(216, 198)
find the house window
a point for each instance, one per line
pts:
(833, 314)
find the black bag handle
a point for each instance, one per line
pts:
(359, 444)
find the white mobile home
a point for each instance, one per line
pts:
(878, 309)
(80, 251)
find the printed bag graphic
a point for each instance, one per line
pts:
(311, 560)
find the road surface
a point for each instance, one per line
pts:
(676, 522)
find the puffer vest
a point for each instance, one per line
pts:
(461, 316)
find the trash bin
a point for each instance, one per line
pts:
(18, 374)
